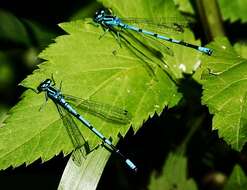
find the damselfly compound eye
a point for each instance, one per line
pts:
(44, 85)
(109, 21)
(66, 111)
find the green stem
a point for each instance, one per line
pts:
(194, 124)
(210, 16)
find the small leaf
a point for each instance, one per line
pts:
(174, 175)
(234, 10)
(224, 92)
(237, 180)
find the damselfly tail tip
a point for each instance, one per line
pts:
(210, 52)
(131, 165)
(205, 50)
(135, 170)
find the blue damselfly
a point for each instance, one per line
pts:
(65, 109)
(109, 21)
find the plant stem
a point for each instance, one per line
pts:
(210, 16)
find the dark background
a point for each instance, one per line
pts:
(47, 14)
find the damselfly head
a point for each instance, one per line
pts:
(99, 15)
(44, 85)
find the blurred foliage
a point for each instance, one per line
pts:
(20, 42)
(234, 10)
(237, 180)
(230, 10)
(12, 29)
(174, 175)
(6, 74)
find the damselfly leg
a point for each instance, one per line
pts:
(65, 110)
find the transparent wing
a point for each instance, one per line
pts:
(156, 46)
(158, 20)
(81, 148)
(169, 25)
(157, 43)
(102, 110)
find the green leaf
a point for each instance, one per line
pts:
(86, 11)
(234, 10)
(230, 10)
(88, 68)
(241, 48)
(11, 29)
(224, 83)
(185, 60)
(86, 176)
(174, 175)
(237, 180)
(185, 6)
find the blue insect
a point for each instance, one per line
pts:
(109, 21)
(64, 106)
